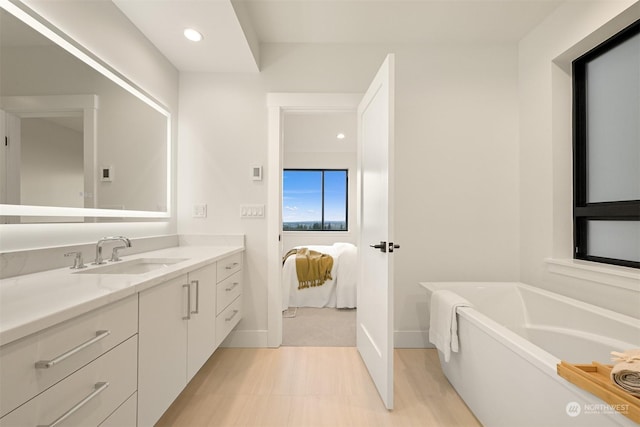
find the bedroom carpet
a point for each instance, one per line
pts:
(319, 327)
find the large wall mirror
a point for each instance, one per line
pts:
(79, 142)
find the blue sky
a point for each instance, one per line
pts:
(302, 196)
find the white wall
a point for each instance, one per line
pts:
(103, 29)
(456, 160)
(51, 172)
(223, 130)
(545, 152)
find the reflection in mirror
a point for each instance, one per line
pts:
(65, 123)
(51, 171)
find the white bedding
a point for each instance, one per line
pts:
(339, 292)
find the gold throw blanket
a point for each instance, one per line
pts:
(313, 268)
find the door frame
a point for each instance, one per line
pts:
(278, 104)
(85, 106)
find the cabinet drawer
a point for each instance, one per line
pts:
(18, 359)
(111, 379)
(229, 265)
(228, 290)
(228, 319)
(125, 415)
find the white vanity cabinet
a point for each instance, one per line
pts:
(177, 335)
(122, 350)
(229, 296)
(45, 375)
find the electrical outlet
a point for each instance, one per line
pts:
(200, 211)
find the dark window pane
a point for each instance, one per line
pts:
(613, 124)
(607, 151)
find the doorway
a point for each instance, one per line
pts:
(375, 129)
(280, 105)
(319, 213)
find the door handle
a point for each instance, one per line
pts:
(393, 246)
(382, 246)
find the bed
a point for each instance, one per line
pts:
(339, 291)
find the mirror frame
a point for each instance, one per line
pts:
(52, 33)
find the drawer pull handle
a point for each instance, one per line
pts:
(230, 266)
(188, 316)
(230, 288)
(232, 316)
(98, 388)
(44, 364)
(197, 283)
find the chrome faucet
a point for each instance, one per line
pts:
(78, 262)
(114, 256)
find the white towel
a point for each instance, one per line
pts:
(443, 325)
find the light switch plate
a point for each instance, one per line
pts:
(251, 211)
(200, 211)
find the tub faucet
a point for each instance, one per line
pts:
(99, 260)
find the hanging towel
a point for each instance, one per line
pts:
(626, 372)
(443, 325)
(312, 268)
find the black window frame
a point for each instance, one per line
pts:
(583, 212)
(322, 220)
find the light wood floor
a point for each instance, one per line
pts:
(314, 387)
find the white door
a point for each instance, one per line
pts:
(3, 159)
(12, 130)
(375, 279)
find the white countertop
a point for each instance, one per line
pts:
(32, 302)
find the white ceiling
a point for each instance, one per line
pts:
(316, 132)
(223, 49)
(232, 28)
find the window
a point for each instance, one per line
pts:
(314, 200)
(606, 128)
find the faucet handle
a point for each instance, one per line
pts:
(78, 261)
(114, 255)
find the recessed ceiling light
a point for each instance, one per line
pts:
(340, 136)
(192, 35)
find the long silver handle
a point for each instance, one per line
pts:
(233, 285)
(98, 388)
(188, 316)
(232, 316)
(230, 266)
(197, 282)
(45, 364)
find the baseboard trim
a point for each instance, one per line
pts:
(246, 338)
(258, 339)
(411, 339)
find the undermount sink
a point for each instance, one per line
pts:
(134, 266)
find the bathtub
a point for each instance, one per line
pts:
(510, 343)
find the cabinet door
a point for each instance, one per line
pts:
(202, 325)
(163, 348)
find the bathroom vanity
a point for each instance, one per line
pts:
(114, 345)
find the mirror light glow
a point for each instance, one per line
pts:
(25, 210)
